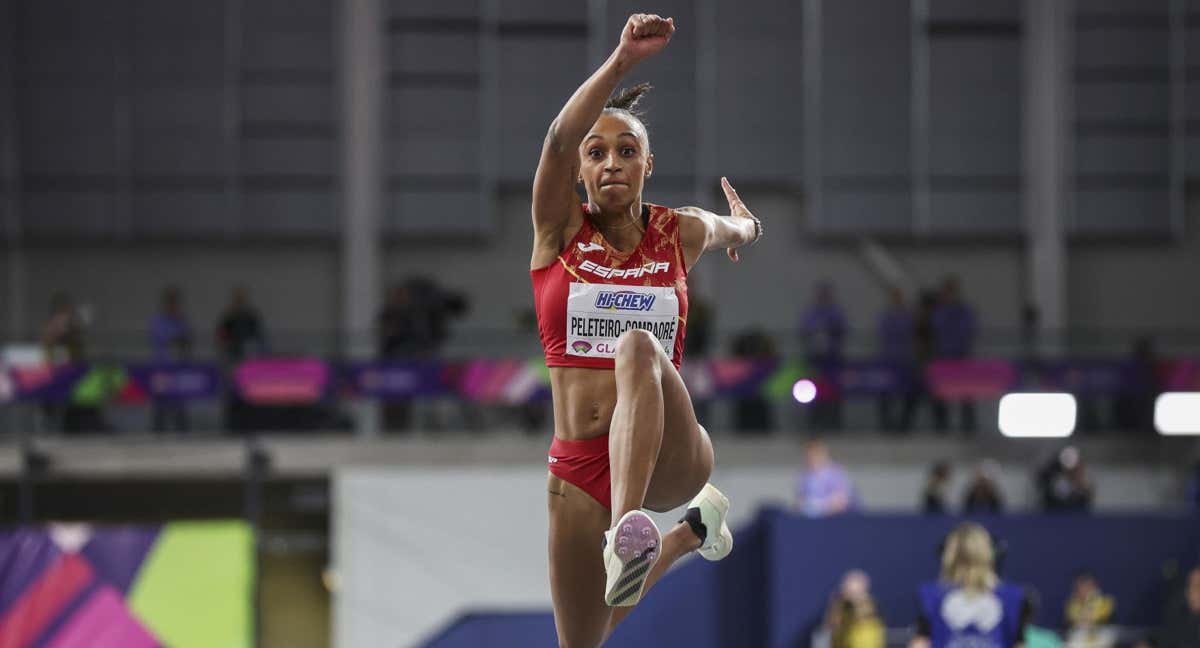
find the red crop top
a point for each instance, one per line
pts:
(593, 292)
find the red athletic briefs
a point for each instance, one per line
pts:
(583, 464)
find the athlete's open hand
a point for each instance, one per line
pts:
(645, 35)
(738, 209)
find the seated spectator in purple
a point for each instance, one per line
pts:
(170, 332)
(954, 338)
(824, 488)
(171, 341)
(823, 334)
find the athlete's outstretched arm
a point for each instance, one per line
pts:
(703, 230)
(554, 195)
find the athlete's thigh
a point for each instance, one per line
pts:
(577, 525)
(685, 460)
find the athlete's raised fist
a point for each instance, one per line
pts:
(645, 35)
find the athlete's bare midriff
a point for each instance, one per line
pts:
(583, 401)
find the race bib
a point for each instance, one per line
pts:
(597, 314)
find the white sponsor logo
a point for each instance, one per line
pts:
(597, 315)
(589, 247)
(961, 609)
(553, 459)
(650, 268)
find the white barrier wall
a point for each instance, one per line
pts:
(416, 547)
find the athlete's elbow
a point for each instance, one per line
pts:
(554, 142)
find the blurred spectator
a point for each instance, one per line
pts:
(969, 605)
(433, 307)
(240, 332)
(823, 488)
(699, 327)
(1029, 333)
(933, 497)
(696, 345)
(1134, 408)
(983, 494)
(534, 413)
(823, 333)
(752, 412)
(954, 338)
(240, 335)
(399, 325)
(851, 619)
(923, 343)
(63, 343)
(1087, 615)
(1193, 488)
(1181, 618)
(62, 336)
(171, 341)
(1064, 483)
(897, 348)
(400, 337)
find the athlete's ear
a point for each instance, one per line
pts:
(649, 164)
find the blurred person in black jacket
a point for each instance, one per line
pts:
(983, 494)
(240, 335)
(1181, 618)
(1064, 484)
(933, 497)
(433, 307)
(1134, 408)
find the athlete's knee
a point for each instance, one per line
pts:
(637, 346)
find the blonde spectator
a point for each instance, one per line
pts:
(851, 620)
(1088, 612)
(969, 604)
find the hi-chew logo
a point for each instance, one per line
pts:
(581, 347)
(625, 300)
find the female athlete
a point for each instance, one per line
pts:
(609, 281)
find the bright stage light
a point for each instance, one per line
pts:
(1037, 415)
(804, 391)
(1177, 413)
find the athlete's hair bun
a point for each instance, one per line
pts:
(628, 99)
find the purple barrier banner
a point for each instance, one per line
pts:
(872, 378)
(723, 377)
(176, 381)
(497, 381)
(278, 381)
(1082, 377)
(966, 379)
(398, 380)
(514, 381)
(46, 383)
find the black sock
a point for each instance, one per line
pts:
(692, 517)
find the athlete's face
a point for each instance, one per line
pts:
(615, 161)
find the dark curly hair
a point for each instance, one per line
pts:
(625, 102)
